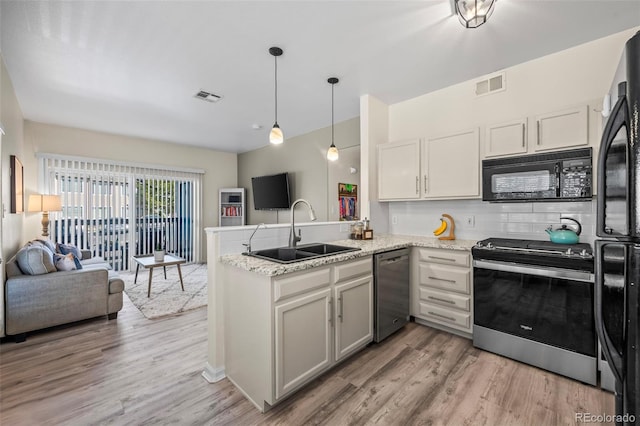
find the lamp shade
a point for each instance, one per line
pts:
(332, 153)
(276, 137)
(44, 203)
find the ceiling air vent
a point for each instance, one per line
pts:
(491, 85)
(207, 96)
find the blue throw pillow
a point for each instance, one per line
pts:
(69, 248)
(77, 261)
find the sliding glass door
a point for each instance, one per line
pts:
(117, 211)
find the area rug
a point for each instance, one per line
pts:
(167, 297)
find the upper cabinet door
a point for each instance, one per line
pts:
(506, 138)
(451, 166)
(399, 170)
(562, 129)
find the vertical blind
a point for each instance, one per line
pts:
(118, 210)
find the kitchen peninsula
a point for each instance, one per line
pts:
(285, 324)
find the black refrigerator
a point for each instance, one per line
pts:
(618, 229)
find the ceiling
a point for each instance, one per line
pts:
(133, 67)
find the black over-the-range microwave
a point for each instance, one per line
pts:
(552, 176)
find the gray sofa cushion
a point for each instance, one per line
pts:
(35, 260)
(96, 260)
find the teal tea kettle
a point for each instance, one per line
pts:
(564, 235)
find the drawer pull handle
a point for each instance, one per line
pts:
(442, 258)
(341, 305)
(331, 311)
(442, 316)
(442, 300)
(442, 279)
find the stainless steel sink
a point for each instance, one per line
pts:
(300, 253)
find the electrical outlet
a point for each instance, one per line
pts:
(470, 221)
(394, 220)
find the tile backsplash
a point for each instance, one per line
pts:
(501, 220)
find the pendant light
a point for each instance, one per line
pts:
(332, 153)
(276, 136)
(473, 13)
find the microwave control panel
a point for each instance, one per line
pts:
(576, 178)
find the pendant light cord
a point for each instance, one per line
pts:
(332, 143)
(275, 58)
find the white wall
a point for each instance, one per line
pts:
(12, 144)
(11, 237)
(305, 158)
(374, 130)
(220, 167)
(546, 84)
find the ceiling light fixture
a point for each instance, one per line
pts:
(332, 153)
(473, 13)
(276, 136)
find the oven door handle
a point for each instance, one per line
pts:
(531, 270)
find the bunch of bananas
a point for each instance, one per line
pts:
(441, 228)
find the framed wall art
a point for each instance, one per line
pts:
(17, 185)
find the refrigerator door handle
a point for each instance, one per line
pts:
(610, 353)
(619, 117)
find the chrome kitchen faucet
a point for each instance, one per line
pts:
(293, 238)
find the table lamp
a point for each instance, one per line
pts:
(45, 204)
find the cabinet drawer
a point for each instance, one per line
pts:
(448, 257)
(352, 269)
(445, 299)
(298, 283)
(445, 316)
(445, 277)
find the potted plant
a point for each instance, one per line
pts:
(158, 253)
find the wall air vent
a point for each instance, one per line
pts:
(492, 84)
(207, 96)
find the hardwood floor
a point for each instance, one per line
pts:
(135, 371)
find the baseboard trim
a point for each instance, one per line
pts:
(213, 375)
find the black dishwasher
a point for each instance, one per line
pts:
(391, 292)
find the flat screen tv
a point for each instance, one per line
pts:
(271, 192)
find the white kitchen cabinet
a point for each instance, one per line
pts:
(281, 332)
(562, 129)
(399, 170)
(303, 336)
(354, 315)
(444, 167)
(450, 166)
(442, 293)
(506, 138)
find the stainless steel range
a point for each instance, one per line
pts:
(533, 302)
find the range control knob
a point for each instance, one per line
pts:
(489, 245)
(584, 253)
(569, 252)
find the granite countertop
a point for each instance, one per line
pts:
(378, 244)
